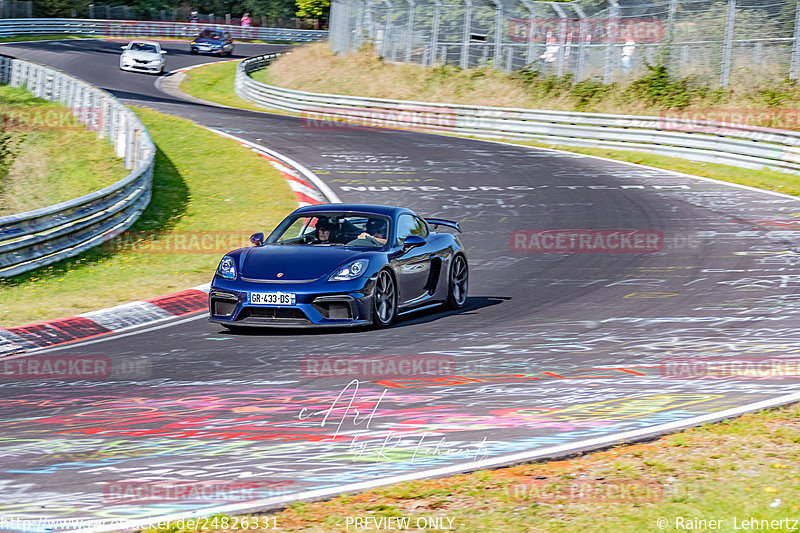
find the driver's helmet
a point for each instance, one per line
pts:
(324, 223)
(377, 225)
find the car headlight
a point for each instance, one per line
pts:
(350, 271)
(227, 267)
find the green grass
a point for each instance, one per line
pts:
(203, 183)
(214, 83)
(52, 157)
(625, 489)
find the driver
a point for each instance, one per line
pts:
(376, 230)
(322, 233)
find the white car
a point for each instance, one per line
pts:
(143, 56)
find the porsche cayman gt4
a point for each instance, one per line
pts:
(341, 265)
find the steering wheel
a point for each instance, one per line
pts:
(366, 241)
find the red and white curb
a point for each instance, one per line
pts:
(309, 190)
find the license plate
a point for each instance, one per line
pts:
(273, 298)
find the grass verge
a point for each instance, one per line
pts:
(771, 103)
(209, 195)
(743, 469)
(47, 156)
(214, 83)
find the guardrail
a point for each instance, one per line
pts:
(37, 238)
(126, 29)
(715, 142)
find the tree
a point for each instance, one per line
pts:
(315, 9)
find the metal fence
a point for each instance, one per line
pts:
(15, 9)
(699, 140)
(43, 236)
(717, 41)
(126, 29)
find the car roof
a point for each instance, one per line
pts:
(137, 41)
(385, 210)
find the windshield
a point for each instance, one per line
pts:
(332, 229)
(143, 47)
(207, 34)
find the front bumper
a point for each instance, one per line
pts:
(139, 67)
(207, 50)
(318, 303)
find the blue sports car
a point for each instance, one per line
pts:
(212, 42)
(340, 265)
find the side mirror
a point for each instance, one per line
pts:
(163, 51)
(123, 47)
(257, 239)
(412, 241)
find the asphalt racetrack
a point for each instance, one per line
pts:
(557, 350)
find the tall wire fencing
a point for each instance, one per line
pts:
(719, 42)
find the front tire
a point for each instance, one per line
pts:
(384, 300)
(458, 282)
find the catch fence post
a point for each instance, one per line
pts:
(795, 45)
(466, 34)
(728, 44)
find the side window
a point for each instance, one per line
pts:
(405, 227)
(410, 225)
(420, 227)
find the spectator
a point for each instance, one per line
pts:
(551, 49)
(246, 20)
(193, 16)
(628, 52)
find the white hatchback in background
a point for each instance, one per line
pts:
(143, 56)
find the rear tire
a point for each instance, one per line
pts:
(458, 282)
(384, 300)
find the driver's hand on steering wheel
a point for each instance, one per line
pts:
(367, 236)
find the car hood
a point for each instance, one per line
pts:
(148, 56)
(294, 262)
(208, 41)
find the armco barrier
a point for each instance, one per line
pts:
(715, 142)
(126, 29)
(40, 237)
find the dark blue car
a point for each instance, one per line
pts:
(212, 42)
(340, 265)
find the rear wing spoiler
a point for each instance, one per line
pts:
(442, 222)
